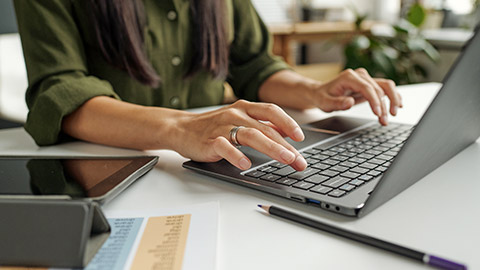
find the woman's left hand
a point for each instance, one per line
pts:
(355, 86)
(350, 87)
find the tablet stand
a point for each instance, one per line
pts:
(50, 233)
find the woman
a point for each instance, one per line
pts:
(116, 72)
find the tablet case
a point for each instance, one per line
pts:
(50, 233)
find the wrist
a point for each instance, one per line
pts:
(310, 88)
(170, 128)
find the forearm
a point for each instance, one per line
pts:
(289, 89)
(108, 121)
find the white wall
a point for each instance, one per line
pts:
(275, 11)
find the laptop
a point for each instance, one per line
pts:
(356, 165)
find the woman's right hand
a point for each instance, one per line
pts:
(206, 137)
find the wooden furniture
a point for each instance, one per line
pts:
(285, 34)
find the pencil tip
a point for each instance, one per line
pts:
(259, 205)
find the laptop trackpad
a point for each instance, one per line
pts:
(314, 133)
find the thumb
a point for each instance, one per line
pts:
(336, 103)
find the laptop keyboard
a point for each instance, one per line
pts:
(342, 168)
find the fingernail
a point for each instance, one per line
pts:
(394, 110)
(298, 133)
(384, 120)
(300, 162)
(244, 164)
(287, 156)
(377, 110)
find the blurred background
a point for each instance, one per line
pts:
(408, 41)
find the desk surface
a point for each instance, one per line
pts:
(439, 214)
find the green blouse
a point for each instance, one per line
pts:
(65, 66)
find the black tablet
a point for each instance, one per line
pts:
(96, 178)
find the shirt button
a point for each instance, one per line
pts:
(175, 101)
(172, 15)
(176, 61)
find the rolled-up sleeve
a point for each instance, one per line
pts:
(56, 66)
(251, 58)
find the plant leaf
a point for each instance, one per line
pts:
(416, 15)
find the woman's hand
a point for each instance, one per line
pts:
(355, 86)
(206, 137)
(350, 87)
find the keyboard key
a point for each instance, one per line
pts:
(397, 140)
(373, 152)
(368, 165)
(391, 153)
(331, 162)
(278, 165)
(286, 181)
(356, 182)
(372, 143)
(285, 171)
(336, 193)
(348, 164)
(349, 154)
(381, 148)
(255, 174)
(374, 173)
(381, 169)
(357, 160)
(336, 182)
(365, 177)
(303, 174)
(339, 168)
(312, 151)
(329, 153)
(347, 187)
(268, 169)
(359, 170)
(350, 175)
(376, 161)
(317, 179)
(303, 185)
(337, 149)
(305, 155)
(321, 189)
(357, 150)
(321, 166)
(384, 157)
(329, 173)
(365, 147)
(365, 156)
(340, 158)
(320, 157)
(270, 177)
(311, 161)
(388, 144)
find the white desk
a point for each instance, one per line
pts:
(439, 214)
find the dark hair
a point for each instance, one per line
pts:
(118, 26)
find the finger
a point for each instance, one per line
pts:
(278, 117)
(380, 92)
(384, 119)
(395, 99)
(274, 135)
(275, 128)
(257, 140)
(334, 103)
(350, 79)
(226, 150)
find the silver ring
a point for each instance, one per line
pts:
(233, 136)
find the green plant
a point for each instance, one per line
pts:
(394, 57)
